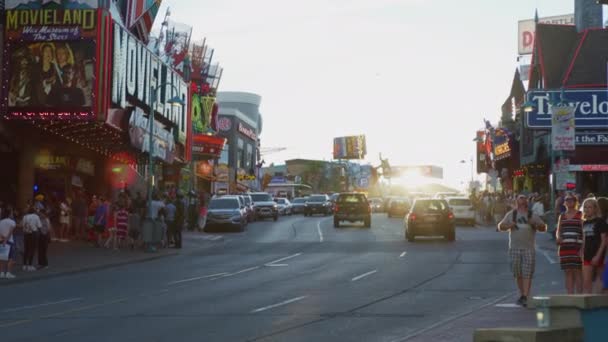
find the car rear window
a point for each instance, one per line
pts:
(354, 198)
(425, 206)
(317, 199)
(299, 200)
(460, 202)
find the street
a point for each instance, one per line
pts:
(298, 279)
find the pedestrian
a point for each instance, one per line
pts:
(569, 237)
(170, 221)
(100, 220)
(121, 219)
(65, 212)
(522, 226)
(180, 217)
(7, 244)
(595, 231)
(43, 240)
(31, 230)
(112, 241)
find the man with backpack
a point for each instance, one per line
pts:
(522, 225)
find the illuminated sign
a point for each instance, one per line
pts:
(588, 168)
(137, 70)
(51, 24)
(502, 149)
(248, 132)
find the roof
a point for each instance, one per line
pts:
(565, 58)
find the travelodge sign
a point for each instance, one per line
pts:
(591, 107)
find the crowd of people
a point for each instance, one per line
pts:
(97, 220)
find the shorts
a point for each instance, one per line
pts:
(523, 262)
(99, 228)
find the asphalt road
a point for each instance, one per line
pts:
(298, 279)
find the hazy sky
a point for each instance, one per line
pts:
(417, 77)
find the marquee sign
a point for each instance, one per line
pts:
(137, 71)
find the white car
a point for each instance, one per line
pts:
(463, 210)
(284, 206)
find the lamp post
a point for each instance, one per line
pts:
(472, 173)
(174, 101)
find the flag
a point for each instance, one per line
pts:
(140, 16)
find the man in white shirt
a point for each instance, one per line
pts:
(7, 226)
(31, 228)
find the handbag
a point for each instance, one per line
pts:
(5, 250)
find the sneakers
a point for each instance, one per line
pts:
(523, 301)
(9, 275)
(2, 275)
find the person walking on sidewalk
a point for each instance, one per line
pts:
(522, 226)
(170, 220)
(7, 226)
(180, 217)
(122, 223)
(595, 231)
(31, 230)
(569, 237)
(100, 220)
(43, 240)
(65, 212)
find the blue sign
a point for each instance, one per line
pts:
(591, 138)
(591, 107)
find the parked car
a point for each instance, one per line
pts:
(318, 204)
(264, 206)
(297, 205)
(444, 195)
(430, 217)
(249, 208)
(225, 212)
(352, 207)
(463, 210)
(398, 207)
(377, 204)
(242, 204)
(283, 205)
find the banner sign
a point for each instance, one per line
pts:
(589, 168)
(565, 180)
(351, 147)
(562, 129)
(527, 28)
(590, 107)
(137, 71)
(591, 138)
(139, 133)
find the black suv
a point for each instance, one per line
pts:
(430, 217)
(352, 207)
(318, 204)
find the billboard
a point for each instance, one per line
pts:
(351, 147)
(526, 31)
(50, 55)
(590, 107)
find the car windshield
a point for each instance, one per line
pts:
(261, 197)
(299, 200)
(224, 203)
(429, 206)
(459, 202)
(317, 199)
(281, 201)
(351, 199)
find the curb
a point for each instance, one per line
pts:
(21, 280)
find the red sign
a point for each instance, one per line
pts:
(589, 168)
(224, 124)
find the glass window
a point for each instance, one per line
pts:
(240, 153)
(460, 202)
(224, 157)
(249, 157)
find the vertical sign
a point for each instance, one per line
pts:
(563, 135)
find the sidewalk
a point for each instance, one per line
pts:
(462, 328)
(75, 257)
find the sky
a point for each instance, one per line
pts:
(417, 77)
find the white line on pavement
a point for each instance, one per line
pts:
(547, 256)
(403, 254)
(70, 300)
(196, 278)
(507, 305)
(283, 259)
(235, 273)
(289, 301)
(364, 275)
(276, 265)
(320, 231)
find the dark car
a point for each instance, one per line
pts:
(318, 204)
(398, 207)
(352, 207)
(297, 205)
(264, 206)
(430, 217)
(225, 212)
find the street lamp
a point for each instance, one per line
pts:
(174, 101)
(472, 173)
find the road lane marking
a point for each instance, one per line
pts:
(359, 277)
(196, 278)
(320, 231)
(235, 273)
(289, 301)
(70, 300)
(403, 254)
(547, 255)
(276, 265)
(283, 259)
(507, 305)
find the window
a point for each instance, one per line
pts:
(249, 157)
(351, 199)
(224, 157)
(460, 202)
(240, 153)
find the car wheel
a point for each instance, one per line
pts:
(451, 235)
(336, 223)
(367, 222)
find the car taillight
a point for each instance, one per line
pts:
(450, 216)
(412, 217)
(337, 207)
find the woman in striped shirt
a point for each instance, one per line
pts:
(569, 237)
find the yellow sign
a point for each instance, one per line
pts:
(502, 149)
(84, 18)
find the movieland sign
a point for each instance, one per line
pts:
(590, 107)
